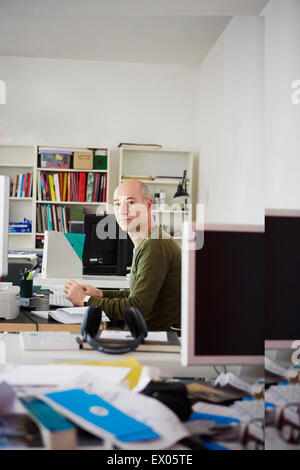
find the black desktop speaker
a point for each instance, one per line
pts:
(91, 323)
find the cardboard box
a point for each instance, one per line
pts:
(83, 161)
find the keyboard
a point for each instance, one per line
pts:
(59, 301)
(48, 340)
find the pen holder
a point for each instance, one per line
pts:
(26, 286)
(40, 303)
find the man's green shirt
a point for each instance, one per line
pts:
(155, 284)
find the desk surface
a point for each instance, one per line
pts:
(23, 322)
(168, 363)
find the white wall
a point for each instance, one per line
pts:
(230, 126)
(80, 103)
(282, 67)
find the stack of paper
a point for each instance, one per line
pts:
(113, 413)
(66, 315)
(57, 375)
(138, 376)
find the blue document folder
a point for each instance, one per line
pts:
(93, 409)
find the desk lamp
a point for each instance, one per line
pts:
(182, 190)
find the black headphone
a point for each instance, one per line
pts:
(91, 323)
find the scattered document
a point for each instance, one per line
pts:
(276, 369)
(66, 315)
(137, 378)
(233, 381)
(274, 441)
(159, 336)
(58, 375)
(215, 410)
(7, 398)
(162, 428)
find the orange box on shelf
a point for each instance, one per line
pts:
(83, 161)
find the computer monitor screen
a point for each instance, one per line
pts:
(223, 296)
(107, 249)
(282, 278)
(4, 216)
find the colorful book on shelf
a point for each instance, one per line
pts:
(42, 188)
(24, 185)
(14, 186)
(82, 186)
(69, 187)
(95, 187)
(29, 185)
(56, 186)
(21, 186)
(51, 186)
(65, 187)
(99, 198)
(105, 188)
(49, 217)
(89, 187)
(61, 186)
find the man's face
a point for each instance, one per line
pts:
(129, 206)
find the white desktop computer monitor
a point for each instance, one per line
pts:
(222, 304)
(282, 278)
(4, 217)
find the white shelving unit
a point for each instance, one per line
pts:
(14, 160)
(160, 165)
(17, 159)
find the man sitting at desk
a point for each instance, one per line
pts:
(155, 278)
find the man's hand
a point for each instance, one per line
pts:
(91, 290)
(75, 293)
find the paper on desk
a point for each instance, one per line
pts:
(278, 370)
(273, 440)
(137, 378)
(147, 410)
(57, 375)
(66, 315)
(159, 336)
(217, 410)
(236, 382)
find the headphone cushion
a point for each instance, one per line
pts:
(93, 320)
(135, 322)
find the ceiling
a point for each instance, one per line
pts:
(148, 31)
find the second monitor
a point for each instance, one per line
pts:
(107, 249)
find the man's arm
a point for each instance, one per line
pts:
(109, 294)
(152, 268)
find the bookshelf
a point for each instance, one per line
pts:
(162, 170)
(18, 159)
